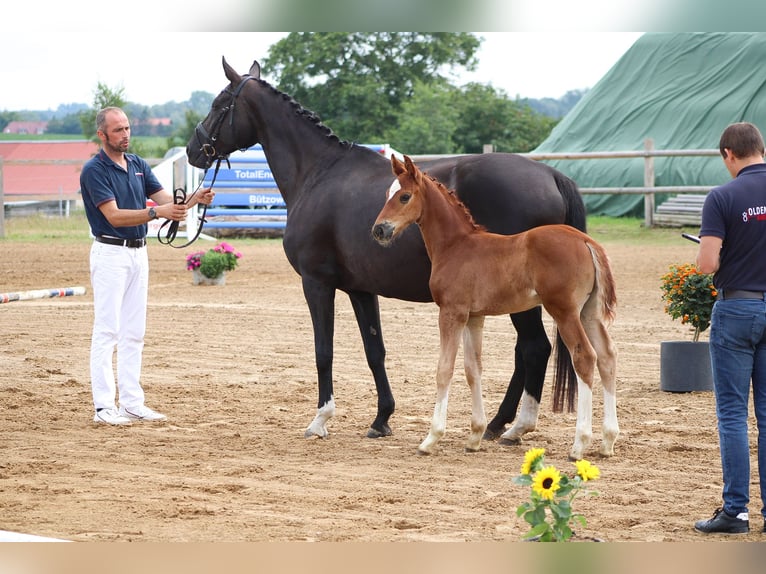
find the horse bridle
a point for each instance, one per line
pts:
(207, 146)
(206, 140)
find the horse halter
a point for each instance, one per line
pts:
(207, 147)
(207, 141)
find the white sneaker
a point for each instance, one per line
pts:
(110, 417)
(142, 414)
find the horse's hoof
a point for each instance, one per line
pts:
(423, 453)
(509, 441)
(471, 449)
(311, 434)
(490, 434)
(375, 433)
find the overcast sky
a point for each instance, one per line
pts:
(42, 73)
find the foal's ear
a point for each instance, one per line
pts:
(412, 169)
(255, 70)
(396, 166)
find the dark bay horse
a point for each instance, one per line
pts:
(475, 273)
(334, 190)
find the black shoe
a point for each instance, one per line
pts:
(723, 523)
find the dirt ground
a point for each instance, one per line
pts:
(233, 368)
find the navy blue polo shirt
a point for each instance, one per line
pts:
(102, 180)
(736, 213)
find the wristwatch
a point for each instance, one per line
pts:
(152, 213)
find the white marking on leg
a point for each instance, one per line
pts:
(438, 426)
(611, 428)
(395, 186)
(584, 427)
(318, 426)
(526, 421)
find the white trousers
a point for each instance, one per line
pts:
(120, 280)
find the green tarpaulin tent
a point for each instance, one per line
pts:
(680, 90)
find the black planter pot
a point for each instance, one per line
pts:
(685, 366)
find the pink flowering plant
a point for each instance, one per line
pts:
(213, 262)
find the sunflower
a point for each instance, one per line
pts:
(546, 482)
(530, 458)
(587, 471)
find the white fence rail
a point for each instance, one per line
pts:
(648, 190)
(176, 172)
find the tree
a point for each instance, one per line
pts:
(68, 124)
(427, 122)
(103, 97)
(487, 116)
(184, 132)
(7, 117)
(357, 82)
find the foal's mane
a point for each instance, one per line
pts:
(454, 200)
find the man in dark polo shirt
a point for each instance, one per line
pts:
(732, 245)
(115, 186)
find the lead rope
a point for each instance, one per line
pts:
(179, 197)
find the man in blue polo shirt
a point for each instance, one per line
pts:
(115, 186)
(732, 245)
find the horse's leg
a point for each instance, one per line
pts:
(533, 349)
(368, 318)
(598, 334)
(584, 362)
(450, 328)
(321, 303)
(472, 339)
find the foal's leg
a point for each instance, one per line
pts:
(607, 367)
(472, 339)
(584, 362)
(449, 333)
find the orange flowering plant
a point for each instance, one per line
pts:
(689, 295)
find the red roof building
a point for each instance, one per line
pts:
(43, 169)
(35, 128)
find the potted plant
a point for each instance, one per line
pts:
(209, 267)
(689, 296)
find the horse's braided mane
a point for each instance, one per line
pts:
(454, 200)
(308, 114)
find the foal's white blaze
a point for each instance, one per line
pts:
(395, 186)
(318, 426)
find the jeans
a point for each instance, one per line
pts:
(738, 356)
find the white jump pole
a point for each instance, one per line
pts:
(41, 294)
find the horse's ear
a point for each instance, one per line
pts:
(396, 166)
(411, 169)
(255, 70)
(231, 74)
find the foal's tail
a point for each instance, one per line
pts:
(564, 377)
(604, 299)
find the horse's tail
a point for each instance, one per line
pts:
(605, 295)
(564, 376)
(575, 206)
